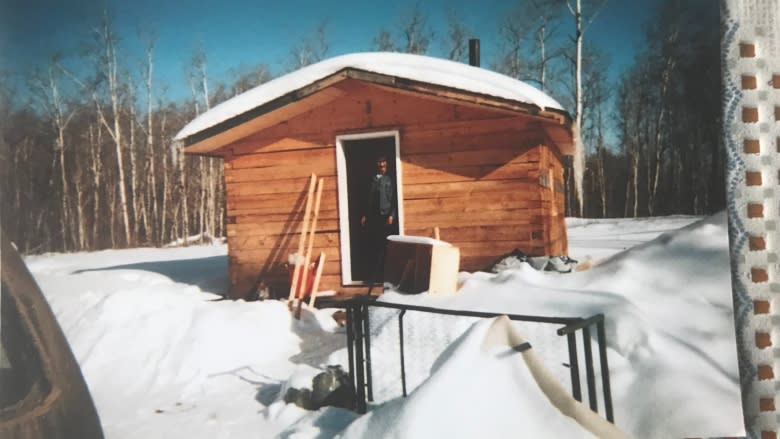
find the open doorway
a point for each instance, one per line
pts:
(356, 161)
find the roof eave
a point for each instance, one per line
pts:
(196, 142)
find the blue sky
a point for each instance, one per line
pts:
(245, 33)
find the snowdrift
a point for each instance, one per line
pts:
(164, 358)
(669, 320)
(157, 351)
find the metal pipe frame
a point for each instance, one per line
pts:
(401, 345)
(359, 335)
(602, 337)
(360, 388)
(351, 348)
(589, 371)
(574, 366)
(367, 338)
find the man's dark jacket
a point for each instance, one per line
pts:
(381, 197)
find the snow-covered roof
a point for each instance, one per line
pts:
(413, 67)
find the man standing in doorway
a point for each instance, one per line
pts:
(380, 218)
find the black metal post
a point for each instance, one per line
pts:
(360, 387)
(589, 371)
(351, 346)
(574, 367)
(601, 334)
(576, 324)
(401, 343)
(464, 313)
(367, 336)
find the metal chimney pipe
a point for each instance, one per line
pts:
(474, 52)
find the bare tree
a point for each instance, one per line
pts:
(50, 97)
(310, 48)
(137, 197)
(383, 42)
(415, 35)
(596, 93)
(95, 136)
(198, 80)
(510, 63)
(579, 149)
(633, 96)
(246, 79)
(526, 32)
(108, 67)
(151, 191)
(456, 44)
(166, 180)
(543, 16)
(209, 170)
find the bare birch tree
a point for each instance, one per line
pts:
(50, 97)
(543, 16)
(109, 70)
(152, 191)
(581, 25)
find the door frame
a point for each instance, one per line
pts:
(343, 192)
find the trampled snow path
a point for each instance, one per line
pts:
(164, 359)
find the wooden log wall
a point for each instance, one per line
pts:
(473, 172)
(553, 203)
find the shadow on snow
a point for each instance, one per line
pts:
(208, 273)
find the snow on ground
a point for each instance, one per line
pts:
(597, 239)
(669, 324)
(164, 357)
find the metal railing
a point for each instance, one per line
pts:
(359, 346)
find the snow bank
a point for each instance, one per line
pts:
(597, 239)
(670, 327)
(415, 67)
(164, 357)
(157, 350)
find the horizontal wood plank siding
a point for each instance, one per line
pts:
(473, 173)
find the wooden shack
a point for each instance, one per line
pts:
(476, 153)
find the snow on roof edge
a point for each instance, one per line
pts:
(415, 67)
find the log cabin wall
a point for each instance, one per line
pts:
(472, 171)
(553, 203)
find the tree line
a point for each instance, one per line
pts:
(88, 162)
(665, 110)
